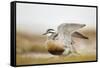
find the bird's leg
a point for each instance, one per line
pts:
(68, 46)
(66, 52)
(73, 48)
(67, 49)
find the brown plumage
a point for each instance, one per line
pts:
(55, 47)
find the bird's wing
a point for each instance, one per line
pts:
(79, 35)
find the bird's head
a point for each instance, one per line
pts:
(49, 32)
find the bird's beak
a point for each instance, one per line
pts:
(44, 33)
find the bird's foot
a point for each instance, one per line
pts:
(66, 52)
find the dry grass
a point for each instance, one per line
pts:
(29, 60)
(31, 49)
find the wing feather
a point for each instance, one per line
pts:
(79, 35)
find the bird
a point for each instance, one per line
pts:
(64, 34)
(54, 47)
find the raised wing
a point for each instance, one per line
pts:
(79, 35)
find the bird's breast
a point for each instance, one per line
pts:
(55, 47)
